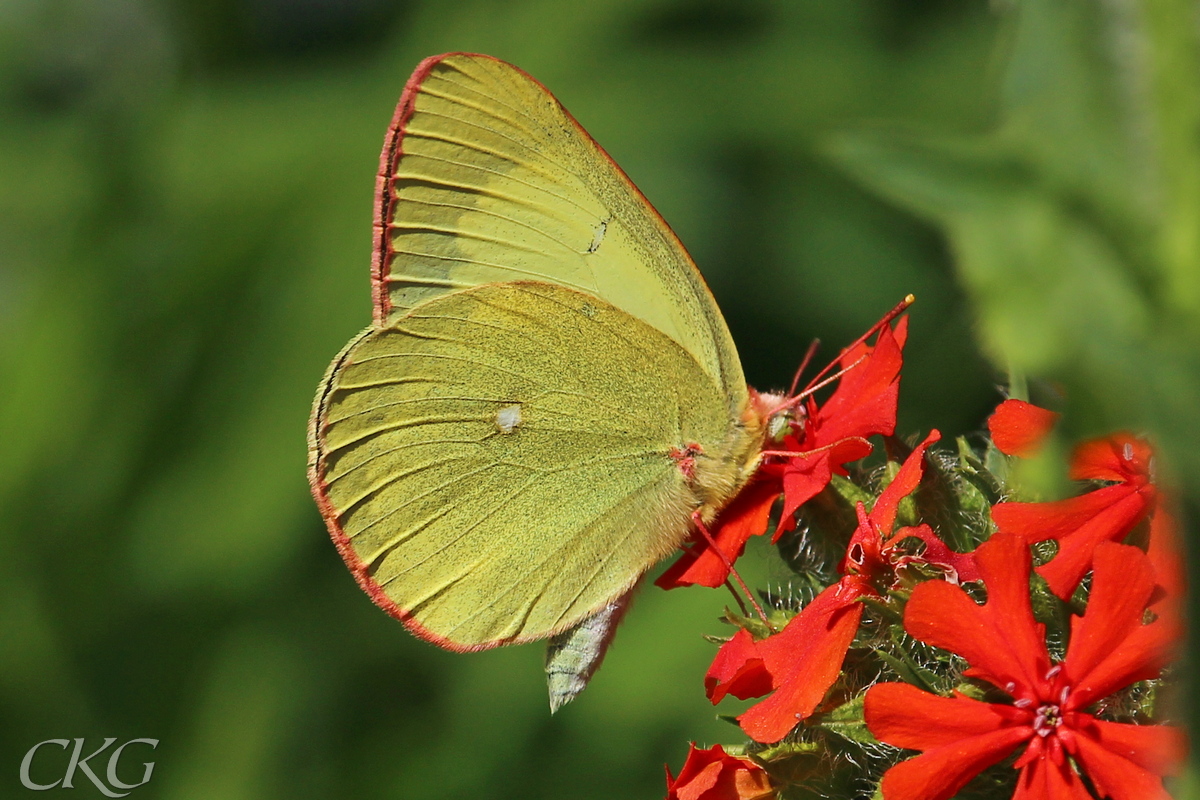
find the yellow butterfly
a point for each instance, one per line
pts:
(547, 394)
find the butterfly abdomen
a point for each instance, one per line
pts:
(574, 655)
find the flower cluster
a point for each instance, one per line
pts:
(1021, 648)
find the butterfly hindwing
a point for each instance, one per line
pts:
(496, 464)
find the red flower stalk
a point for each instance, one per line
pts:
(802, 661)
(1019, 428)
(1110, 648)
(813, 443)
(715, 775)
(1080, 523)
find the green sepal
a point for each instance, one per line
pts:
(986, 481)
(973, 691)
(786, 749)
(889, 612)
(905, 666)
(1052, 612)
(852, 493)
(949, 503)
(741, 750)
(758, 629)
(847, 721)
(825, 525)
(1147, 701)
(1018, 387)
(905, 669)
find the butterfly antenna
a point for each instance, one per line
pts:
(886, 319)
(794, 400)
(700, 526)
(808, 356)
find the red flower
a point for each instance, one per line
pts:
(803, 660)
(1109, 649)
(715, 775)
(1080, 523)
(1018, 428)
(738, 670)
(834, 434)
(817, 442)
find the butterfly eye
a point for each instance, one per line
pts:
(780, 425)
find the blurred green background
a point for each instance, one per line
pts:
(185, 210)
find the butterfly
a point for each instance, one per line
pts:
(547, 396)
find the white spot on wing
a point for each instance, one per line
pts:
(508, 419)
(598, 236)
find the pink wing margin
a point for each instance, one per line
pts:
(358, 568)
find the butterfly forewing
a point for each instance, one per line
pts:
(486, 178)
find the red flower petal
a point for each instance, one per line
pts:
(864, 402)
(738, 670)
(1074, 558)
(804, 478)
(905, 716)
(752, 784)
(883, 513)
(1047, 779)
(834, 434)
(865, 556)
(746, 515)
(713, 774)
(804, 660)
(1121, 587)
(1079, 524)
(1035, 522)
(940, 773)
(1018, 428)
(1141, 656)
(1161, 749)
(1000, 639)
(960, 566)
(1115, 775)
(1119, 457)
(1107, 514)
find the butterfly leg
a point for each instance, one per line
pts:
(700, 526)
